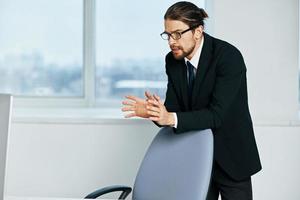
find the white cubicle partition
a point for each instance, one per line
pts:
(5, 121)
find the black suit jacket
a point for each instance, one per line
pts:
(219, 102)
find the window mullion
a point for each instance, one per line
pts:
(89, 41)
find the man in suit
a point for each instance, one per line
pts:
(206, 89)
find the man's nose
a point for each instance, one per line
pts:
(171, 41)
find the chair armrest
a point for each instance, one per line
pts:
(125, 191)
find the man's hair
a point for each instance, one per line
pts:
(186, 12)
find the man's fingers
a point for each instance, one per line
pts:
(157, 98)
(133, 98)
(148, 95)
(128, 103)
(127, 108)
(130, 115)
(153, 108)
(152, 113)
(154, 118)
(154, 102)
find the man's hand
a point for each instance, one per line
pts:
(137, 106)
(151, 108)
(158, 112)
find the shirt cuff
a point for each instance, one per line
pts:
(175, 120)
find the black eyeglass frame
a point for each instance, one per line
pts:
(179, 34)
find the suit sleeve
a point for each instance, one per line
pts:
(229, 73)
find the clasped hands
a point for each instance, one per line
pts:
(150, 108)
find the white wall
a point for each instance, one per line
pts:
(71, 159)
(266, 32)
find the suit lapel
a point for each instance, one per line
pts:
(203, 65)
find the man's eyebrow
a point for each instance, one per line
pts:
(174, 31)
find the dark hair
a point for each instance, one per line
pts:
(186, 12)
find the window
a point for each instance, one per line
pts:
(88, 50)
(41, 48)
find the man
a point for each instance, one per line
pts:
(206, 89)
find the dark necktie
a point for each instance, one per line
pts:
(191, 79)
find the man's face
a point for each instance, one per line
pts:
(185, 46)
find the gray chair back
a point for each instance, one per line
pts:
(5, 118)
(176, 166)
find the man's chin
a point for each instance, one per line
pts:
(178, 56)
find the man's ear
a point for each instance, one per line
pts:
(199, 32)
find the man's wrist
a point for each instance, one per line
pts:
(171, 120)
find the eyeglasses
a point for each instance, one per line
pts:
(175, 35)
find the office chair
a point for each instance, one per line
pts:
(175, 167)
(5, 119)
